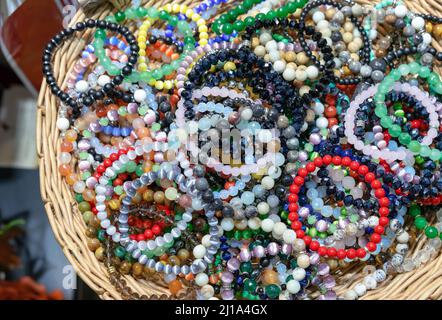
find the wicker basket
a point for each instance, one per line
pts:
(68, 225)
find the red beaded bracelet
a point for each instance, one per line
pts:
(108, 162)
(368, 176)
(151, 229)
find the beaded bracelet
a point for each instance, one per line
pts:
(389, 155)
(271, 46)
(206, 10)
(91, 140)
(77, 72)
(91, 145)
(108, 60)
(253, 130)
(272, 289)
(244, 169)
(420, 125)
(317, 215)
(62, 36)
(277, 159)
(220, 108)
(422, 224)
(153, 78)
(262, 7)
(397, 264)
(410, 185)
(199, 251)
(302, 29)
(243, 197)
(417, 94)
(105, 122)
(205, 7)
(279, 63)
(204, 92)
(141, 249)
(369, 177)
(164, 49)
(153, 13)
(223, 23)
(192, 15)
(142, 37)
(170, 194)
(397, 14)
(381, 111)
(193, 55)
(167, 36)
(426, 58)
(308, 95)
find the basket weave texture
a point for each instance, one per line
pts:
(68, 225)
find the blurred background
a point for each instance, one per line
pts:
(32, 264)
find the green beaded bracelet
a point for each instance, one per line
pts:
(381, 111)
(421, 223)
(153, 14)
(226, 23)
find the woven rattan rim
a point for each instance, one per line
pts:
(69, 228)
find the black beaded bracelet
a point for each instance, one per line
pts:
(277, 24)
(167, 40)
(366, 49)
(435, 53)
(430, 17)
(92, 95)
(397, 54)
(402, 52)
